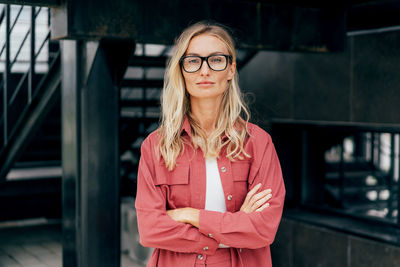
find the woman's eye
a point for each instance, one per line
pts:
(216, 59)
(193, 61)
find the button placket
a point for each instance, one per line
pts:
(224, 165)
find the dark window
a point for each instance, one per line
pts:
(347, 170)
(362, 173)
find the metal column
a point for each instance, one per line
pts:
(90, 151)
(71, 155)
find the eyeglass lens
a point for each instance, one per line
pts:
(215, 62)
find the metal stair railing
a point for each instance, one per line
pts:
(26, 95)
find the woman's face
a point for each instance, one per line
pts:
(207, 83)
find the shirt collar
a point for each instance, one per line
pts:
(186, 127)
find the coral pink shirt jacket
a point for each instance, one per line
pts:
(248, 234)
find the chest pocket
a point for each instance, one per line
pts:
(175, 185)
(240, 174)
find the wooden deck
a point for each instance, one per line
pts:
(37, 246)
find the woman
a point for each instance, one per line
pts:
(206, 176)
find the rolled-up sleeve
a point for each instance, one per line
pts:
(156, 228)
(256, 229)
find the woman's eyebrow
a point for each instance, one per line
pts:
(212, 53)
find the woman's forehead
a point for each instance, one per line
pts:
(206, 44)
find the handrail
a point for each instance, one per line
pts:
(40, 90)
(42, 45)
(22, 80)
(20, 83)
(39, 87)
(12, 27)
(5, 78)
(23, 42)
(2, 14)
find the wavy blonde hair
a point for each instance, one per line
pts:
(175, 106)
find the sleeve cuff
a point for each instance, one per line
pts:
(210, 224)
(207, 246)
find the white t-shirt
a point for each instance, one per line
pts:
(215, 199)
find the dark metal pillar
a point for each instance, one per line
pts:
(71, 155)
(6, 75)
(90, 114)
(304, 167)
(391, 175)
(398, 180)
(341, 174)
(32, 62)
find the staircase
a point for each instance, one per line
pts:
(140, 108)
(29, 114)
(361, 185)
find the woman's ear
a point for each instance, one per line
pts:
(232, 71)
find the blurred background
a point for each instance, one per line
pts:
(80, 83)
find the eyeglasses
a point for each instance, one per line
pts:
(215, 62)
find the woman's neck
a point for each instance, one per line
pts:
(205, 112)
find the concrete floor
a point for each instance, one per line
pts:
(37, 246)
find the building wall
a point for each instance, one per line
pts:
(361, 84)
(300, 244)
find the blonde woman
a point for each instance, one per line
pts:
(210, 189)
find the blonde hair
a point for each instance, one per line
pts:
(175, 106)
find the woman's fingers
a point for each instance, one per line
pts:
(252, 192)
(259, 196)
(260, 202)
(266, 205)
(254, 200)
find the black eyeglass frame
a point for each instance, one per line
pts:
(227, 57)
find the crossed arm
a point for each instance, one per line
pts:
(254, 202)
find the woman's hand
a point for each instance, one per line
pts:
(256, 201)
(185, 215)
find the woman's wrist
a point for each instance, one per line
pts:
(185, 215)
(192, 216)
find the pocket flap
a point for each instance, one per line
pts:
(179, 175)
(240, 170)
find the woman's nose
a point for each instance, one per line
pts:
(204, 69)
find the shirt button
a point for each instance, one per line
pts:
(223, 169)
(205, 248)
(240, 249)
(210, 235)
(229, 197)
(200, 257)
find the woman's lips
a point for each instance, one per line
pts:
(205, 83)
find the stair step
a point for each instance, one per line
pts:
(145, 120)
(357, 189)
(37, 164)
(359, 165)
(35, 173)
(143, 61)
(140, 103)
(358, 206)
(354, 175)
(143, 83)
